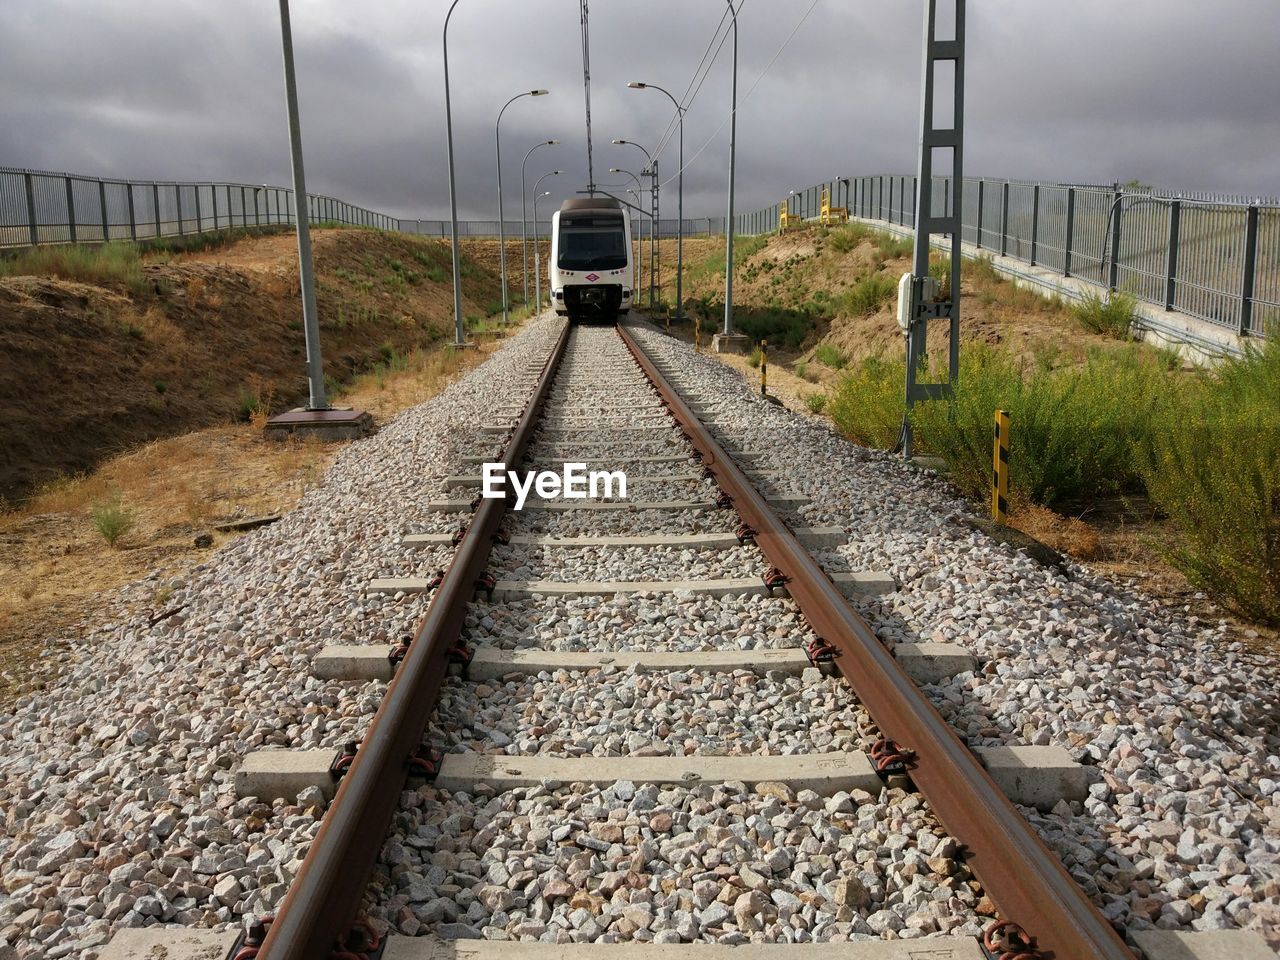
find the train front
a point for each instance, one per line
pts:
(591, 268)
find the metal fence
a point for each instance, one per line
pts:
(39, 207)
(1211, 256)
(700, 226)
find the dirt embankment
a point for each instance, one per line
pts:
(93, 369)
(801, 286)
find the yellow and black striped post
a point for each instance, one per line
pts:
(1000, 473)
(764, 366)
(697, 333)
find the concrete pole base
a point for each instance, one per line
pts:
(731, 343)
(336, 424)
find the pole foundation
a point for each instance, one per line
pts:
(332, 424)
(731, 343)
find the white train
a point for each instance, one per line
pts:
(591, 269)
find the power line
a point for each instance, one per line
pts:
(747, 96)
(671, 125)
(685, 104)
(586, 84)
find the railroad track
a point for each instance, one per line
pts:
(662, 704)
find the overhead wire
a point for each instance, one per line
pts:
(672, 124)
(744, 98)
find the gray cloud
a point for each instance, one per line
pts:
(1172, 92)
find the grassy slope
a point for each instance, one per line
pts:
(106, 350)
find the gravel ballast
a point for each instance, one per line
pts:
(116, 781)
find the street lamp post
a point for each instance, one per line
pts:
(733, 146)
(537, 268)
(635, 282)
(650, 170)
(502, 226)
(459, 334)
(306, 271)
(635, 85)
(524, 216)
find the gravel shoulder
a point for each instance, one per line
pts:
(116, 781)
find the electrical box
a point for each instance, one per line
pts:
(928, 294)
(904, 302)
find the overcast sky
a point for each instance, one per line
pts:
(1178, 93)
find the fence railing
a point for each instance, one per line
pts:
(39, 207)
(1211, 256)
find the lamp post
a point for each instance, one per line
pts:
(635, 85)
(524, 216)
(459, 334)
(502, 226)
(733, 146)
(635, 282)
(537, 268)
(651, 169)
(306, 271)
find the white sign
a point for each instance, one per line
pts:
(574, 482)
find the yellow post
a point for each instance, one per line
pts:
(697, 332)
(1000, 473)
(764, 366)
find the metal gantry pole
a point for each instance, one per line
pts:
(655, 279)
(306, 270)
(502, 227)
(926, 303)
(459, 334)
(733, 148)
(524, 215)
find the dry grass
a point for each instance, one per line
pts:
(1069, 535)
(56, 569)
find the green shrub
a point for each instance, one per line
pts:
(1111, 317)
(815, 402)
(801, 370)
(435, 274)
(845, 239)
(1216, 474)
(940, 271)
(114, 264)
(830, 355)
(867, 402)
(755, 356)
(112, 520)
(1075, 432)
(781, 327)
(894, 248)
(248, 402)
(868, 295)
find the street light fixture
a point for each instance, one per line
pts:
(733, 147)
(502, 226)
(537, 268)
(635, 279)
(459, 333)
(652, 170)
(636, 85)
(524, 215)
(316, 399)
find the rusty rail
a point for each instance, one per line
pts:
(320, 907)
(1023, 878)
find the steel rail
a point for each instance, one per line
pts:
(321, 905)
(1023, 878)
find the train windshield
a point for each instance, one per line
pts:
(592, 243)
